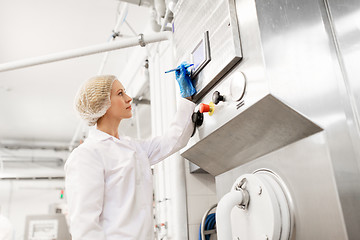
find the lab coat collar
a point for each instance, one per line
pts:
(98, 135)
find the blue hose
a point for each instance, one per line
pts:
(210, 222)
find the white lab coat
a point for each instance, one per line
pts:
(109, 183)
(6, 228)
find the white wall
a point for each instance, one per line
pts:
(201, 195)
(19, 198)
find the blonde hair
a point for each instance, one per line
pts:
(93, 98)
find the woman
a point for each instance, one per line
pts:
(108, 177)
(6, 228)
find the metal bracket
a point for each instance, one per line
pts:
(115, 34)
(141, 40)
(246, 197)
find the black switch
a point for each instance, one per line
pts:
(197, 118)
(216, 97)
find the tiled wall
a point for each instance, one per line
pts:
(201, 195)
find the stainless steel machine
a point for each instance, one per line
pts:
(277, 85)
(46, 227)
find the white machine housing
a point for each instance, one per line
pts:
(291, 103)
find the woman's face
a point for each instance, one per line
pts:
(120, 102)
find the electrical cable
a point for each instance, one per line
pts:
(209, 225)
(193, 130)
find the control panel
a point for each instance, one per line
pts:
(200, 56)
(229, 94)
(238, 120)
(206, 34)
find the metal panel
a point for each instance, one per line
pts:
(264, 127)
(303, 53)
(304, 69)
(307, 172)
(191, 20)
(344, 22)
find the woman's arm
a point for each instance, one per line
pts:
(84, 184)
(176, 136)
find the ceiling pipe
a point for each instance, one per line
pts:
(171, 4)
(155, 26)
(142, 3)
(141, 40)
(32, 178)
(121, 19)
(160, 8)
(28, 159)
(167, 17)
(17, 144)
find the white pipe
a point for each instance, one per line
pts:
(155, 26)
(223, 214)
(177, 166)
(119, 22)
(130, 42)
(171, 4)
(156, 123)
(160, 8)
(166, 19)
(162, 175)
(137, 120)
(144, 3)
(168, 111)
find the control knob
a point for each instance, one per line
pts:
(216, 97)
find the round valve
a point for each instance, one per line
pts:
(216, 97)
(237, 86)
(207, 108)
(268, 214)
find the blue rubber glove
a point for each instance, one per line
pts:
(182, 74)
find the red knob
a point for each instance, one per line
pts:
(204, 108)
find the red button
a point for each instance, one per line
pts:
(204, 108)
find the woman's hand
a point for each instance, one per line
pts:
(182, 74)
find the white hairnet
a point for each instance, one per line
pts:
(93, 98)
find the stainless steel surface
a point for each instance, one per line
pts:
(306, 170)
(303, 68)
(344, 20)
(265, 126)
(191, 20)
(193, 168)
(303, 54)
